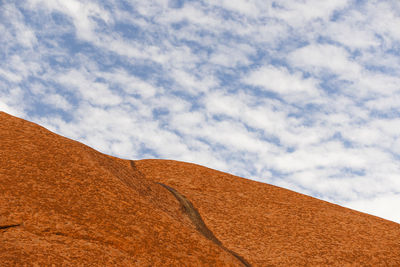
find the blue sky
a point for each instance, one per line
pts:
(299, 94)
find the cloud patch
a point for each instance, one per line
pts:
(300, 94)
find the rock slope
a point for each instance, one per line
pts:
(272, 226)
(64, 203)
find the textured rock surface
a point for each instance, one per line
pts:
(63, 202)
(268, 225)
(74, 205)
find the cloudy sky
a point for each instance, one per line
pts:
(303, 94)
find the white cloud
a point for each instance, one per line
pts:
(96, 93)
(57, 101)
(376, 84)
(318, 155)
(189, 83)
(281, 81)
(317, 58)
(81, 13)
(352, 33)
(130, 84)
(10, 100)
(22, 33)
(232, 55)
(384, 206)
(246, 7)
(11, 109)
(384, 19)
(10, 76)
(191, 13)
(299, 12)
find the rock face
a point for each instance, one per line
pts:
(64, 203)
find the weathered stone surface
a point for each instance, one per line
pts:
(272, 226)
(64, 203)
(76, 206)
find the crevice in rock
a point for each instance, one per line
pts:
(9, 226)
(200, 225)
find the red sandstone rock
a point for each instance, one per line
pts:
(64, 203)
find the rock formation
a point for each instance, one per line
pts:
(63, 203)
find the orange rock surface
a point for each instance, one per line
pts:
(64, 203)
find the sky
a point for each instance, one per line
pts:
(302, 94)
